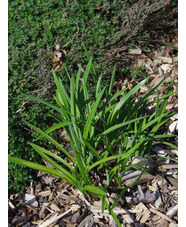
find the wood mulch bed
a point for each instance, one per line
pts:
(50, 201)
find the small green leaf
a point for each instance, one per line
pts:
(112, 80)
(94, 189)
(52, 128)
(169, 45)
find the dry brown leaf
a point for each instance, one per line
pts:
(58, 55)
(57, 47)
(118, 55)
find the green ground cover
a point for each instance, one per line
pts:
(36, 25)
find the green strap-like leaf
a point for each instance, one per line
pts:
(76, 147)
(92, 69)
(98, 86)
(112, 80)
(78, 77)
(41, 150)
(60, 90)
(154, 121)
(85, 90)
(147, 95)
(111, 129)
(167, 143)
(126, 155)
(52, 128)
(52, 140)
(92, 114)
(112, 213)
(45, 103)
(94, 189)
(169, 45)
(123, 100)
(72, 98)
(40, 168)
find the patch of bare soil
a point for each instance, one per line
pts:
(50, 201)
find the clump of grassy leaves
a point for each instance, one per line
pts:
(35, 26)
(97, 116)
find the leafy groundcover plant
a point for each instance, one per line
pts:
(93, 116)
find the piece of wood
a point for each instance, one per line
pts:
(141, 162)
(117, 210)
(174, 126)
(175, 152)
(173, 211)
(166, 68)
(112, 222)
(173, 181)
(32, 188)
(130, 177)
(173, 225)
(44, 193)
(30, 200)
(87, 221)
(162, 223)
(144, 215)
(54, 207)
(159, 151)
(166, 59)
(127, 218)
(169, 166)
(158, 202)
(51, 196)
(135, 51)
(82, 197)
(43, 211)
(161, 215)
(54, 218)
(11, 205)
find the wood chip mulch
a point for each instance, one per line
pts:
(50, 201)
